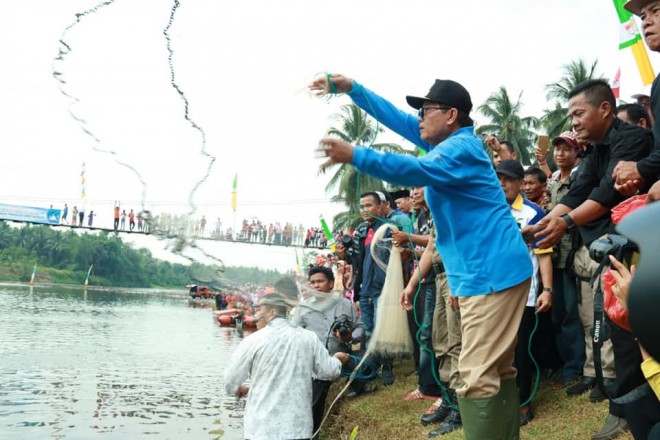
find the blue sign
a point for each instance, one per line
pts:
(48, 216)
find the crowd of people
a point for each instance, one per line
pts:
(78, 216)
(491, 251)
(286, 234)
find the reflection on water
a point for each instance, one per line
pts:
(76, 365)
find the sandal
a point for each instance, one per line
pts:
(433, 408)
(417, 395)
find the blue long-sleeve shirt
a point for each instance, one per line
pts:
(480, 243)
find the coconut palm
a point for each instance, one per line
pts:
(356, 128)
(555, 121)
(507, 124)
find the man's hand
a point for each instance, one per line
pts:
(540, 157)
(242, 391)
(552, 229)
(453, 303)
(493, 143)
(625, 171)
(343, 357)
(654, 193)
(544, 302)
(320, 85)
(630, 188)
(405, 299)
(337, 150)
(622, 276)
(400, 238)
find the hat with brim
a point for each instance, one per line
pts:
(635, 6)
(640, 95)
(568, 138)
(444, 91)
(510, 168)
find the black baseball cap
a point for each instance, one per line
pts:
(400, 194)
(444, 91)
(511, 168)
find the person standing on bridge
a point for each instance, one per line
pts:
(65, 213)
(131, 220)
(90, 218)
(116, 224)
(81, 216)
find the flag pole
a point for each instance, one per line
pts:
(88, 273)
(34, 273)
(234, 191)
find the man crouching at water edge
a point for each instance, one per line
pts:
(334, 321)
(476, 232)
(281, 360)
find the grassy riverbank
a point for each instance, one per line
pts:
(383, 415)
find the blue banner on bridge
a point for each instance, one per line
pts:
(30, 214)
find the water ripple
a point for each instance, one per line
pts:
(125, 365)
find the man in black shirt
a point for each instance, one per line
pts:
(587, 204)
(587, 208)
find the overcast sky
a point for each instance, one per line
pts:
(243, 66)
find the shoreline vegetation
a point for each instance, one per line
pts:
(383, 414)
(65, 257)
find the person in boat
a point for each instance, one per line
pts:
(281, 360)
(334, 320)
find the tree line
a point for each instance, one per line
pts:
(64, 257)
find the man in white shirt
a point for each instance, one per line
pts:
(281, 360)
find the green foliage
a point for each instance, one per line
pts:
(356, 128)
(65, 257)
(555, 121)
(507, 124)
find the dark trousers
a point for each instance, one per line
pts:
(641, 414)
(428, 366)
(415, 318)
(567, 325)
(522, 360)
(319, 393)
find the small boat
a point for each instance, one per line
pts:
(203, 292)
(234, 318)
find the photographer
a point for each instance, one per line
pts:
(623, 276)
(629, 390)
(334, 320)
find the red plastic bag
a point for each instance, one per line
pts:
(627, 206)
(612, 306)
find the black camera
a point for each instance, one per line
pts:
(346, 241)
(616, 245)
(343, 325)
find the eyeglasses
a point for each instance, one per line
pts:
(424, 110)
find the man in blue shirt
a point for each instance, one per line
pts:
(475, 234)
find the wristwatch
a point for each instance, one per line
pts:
(547, 289)
(569, 222)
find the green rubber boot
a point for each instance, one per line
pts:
(483, 419)
(509, 393)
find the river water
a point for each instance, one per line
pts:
(80, 364)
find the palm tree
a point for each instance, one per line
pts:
(507, 124)
(555, 121)
(356, 128)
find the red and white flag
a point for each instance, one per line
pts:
(616, 83)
